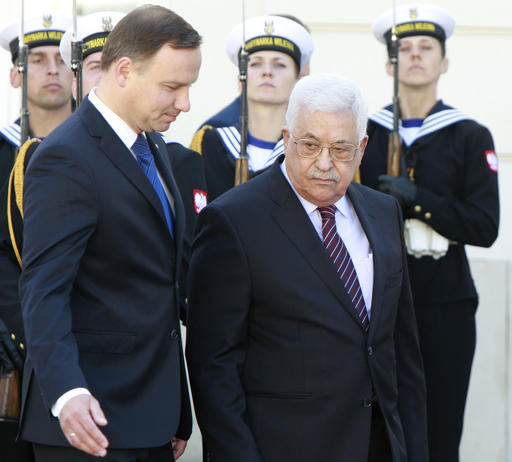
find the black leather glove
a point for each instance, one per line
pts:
(403, 189)
(10, 357)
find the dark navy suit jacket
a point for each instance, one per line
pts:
(280, 365)
(98, 290)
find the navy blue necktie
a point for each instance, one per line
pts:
(147, 162)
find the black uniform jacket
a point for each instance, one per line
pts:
(456, 175)
(98, 289)
(9, 143)
(280, 366)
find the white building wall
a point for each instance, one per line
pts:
(478, 83)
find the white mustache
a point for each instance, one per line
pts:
(320, 175)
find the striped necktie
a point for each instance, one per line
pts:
(146, 161)
(342, 261)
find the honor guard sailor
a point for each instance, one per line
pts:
(49, 104)
(49, 81)
(92, 30)
(448, 191)
(278, 47)
(230, 115)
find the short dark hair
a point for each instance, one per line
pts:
(143, 31)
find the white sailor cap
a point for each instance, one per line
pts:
(271, 33)
(41, 30)
(92, 30)
(415, 19)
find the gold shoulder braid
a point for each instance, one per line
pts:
(16, 180)
(197, 141)
(357, 177)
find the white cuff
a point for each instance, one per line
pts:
(61, 402)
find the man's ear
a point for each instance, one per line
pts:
(15, 77)
(123, 68)
(286, 137)
(363, 144)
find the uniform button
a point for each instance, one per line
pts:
(22, 347)
(174, 334)
(367, 403)
(428, 215)
(13, 337)
(417, 208)
(370, 350)
(186, 300)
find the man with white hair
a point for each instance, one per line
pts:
(302, 342)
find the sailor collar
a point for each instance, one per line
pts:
(230, 137)
(440, 116)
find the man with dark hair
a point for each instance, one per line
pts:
(49, 104)
(103, 230)
(48, 81)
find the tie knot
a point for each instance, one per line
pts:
(327, 212)
(141, 147)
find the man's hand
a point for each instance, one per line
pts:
(79, 420)
(10, 357)
(400, 187)
(178, 447)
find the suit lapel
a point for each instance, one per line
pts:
(118, 153)
(366, 216)
(293, 220)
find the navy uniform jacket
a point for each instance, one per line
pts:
(9, 143)
(230, 115)
(456, 175)
(280, 366)
(99, 292)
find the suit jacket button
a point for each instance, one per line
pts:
(367, 403)
(370, 350)
(174, 334)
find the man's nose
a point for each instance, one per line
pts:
(53, 66)
(183, 100)
(324, 161)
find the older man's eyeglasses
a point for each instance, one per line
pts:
(342, 152)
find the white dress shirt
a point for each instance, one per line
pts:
(351, 232)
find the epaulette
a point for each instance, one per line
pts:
(197, 141)
(12, 133)
(16, 180)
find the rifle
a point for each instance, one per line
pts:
(22, 69)
(394, 142)
(242, 163)
(76, 59)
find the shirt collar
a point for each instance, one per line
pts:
(120, 127)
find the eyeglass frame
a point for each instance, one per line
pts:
(321, 148)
